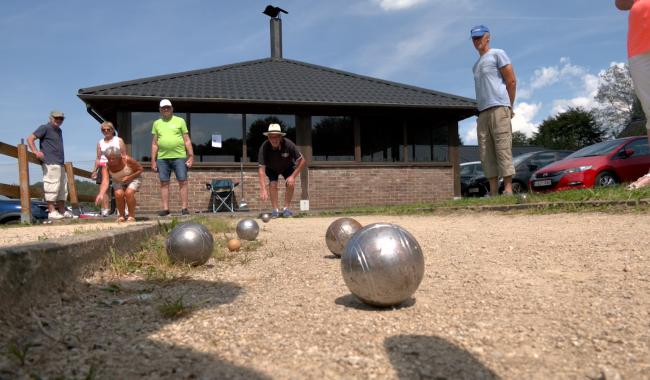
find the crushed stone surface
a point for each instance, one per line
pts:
(562, 296)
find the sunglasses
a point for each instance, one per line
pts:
(59, 118)
(107, 130)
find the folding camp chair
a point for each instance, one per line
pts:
(223, 193)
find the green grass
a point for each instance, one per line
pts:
(19, 351)
(560, 201)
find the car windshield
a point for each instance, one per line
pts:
(467, 169)
(599, 149)
(521, 158)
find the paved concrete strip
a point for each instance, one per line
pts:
(31, 271)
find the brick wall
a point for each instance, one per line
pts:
(329, 188)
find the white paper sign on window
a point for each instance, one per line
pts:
(216, 141)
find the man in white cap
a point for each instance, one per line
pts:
(278, 156)
(55, 184)
(171, 150)
(496, 87)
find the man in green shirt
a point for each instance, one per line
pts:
(171, 149)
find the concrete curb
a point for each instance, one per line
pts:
(29, 272)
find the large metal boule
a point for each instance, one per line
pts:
(247, 229)
(189, 243)
(339, 232)
(382, 264)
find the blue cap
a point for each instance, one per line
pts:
(479, 31)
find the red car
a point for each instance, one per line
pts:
(603, 164)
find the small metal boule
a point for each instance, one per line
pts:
(382, 264)
(247, 229)
(189, 243)
(339, 232)
(265, 216)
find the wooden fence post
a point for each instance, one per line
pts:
(23, 177)
(72, 188)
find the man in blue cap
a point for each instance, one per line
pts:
(496, 87)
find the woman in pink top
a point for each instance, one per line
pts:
(125, 172)
(638, 51)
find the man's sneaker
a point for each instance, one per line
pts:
(163, 212)
(275, 214)
(287, 213)
(185, 212)
(105, 212)
(67, 214)
(54, 215)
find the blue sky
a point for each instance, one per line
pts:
(50, 49)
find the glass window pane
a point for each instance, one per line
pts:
(141, 124)
(258, 124)
(332, 138)
(427, 143)
(381, 140)
(228, 126)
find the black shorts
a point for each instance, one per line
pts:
(273, 175)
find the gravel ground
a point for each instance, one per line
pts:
(564, 296)
(12, 235)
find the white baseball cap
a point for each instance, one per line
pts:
(165, 103)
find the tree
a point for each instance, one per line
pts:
(519, 138)
(571, 130)
(615, 99)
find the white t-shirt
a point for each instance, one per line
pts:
(490, 87)
(103, 146)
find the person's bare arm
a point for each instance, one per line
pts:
(261, 173)
(189, 150)
(510, 79)
(296, 172)
(122, 147)
(30, 142)
(624, 5)
(154, 153)
(99, 155)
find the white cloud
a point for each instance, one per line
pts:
(543, 77)
(585, 98)
(396, 5)
(524, 115)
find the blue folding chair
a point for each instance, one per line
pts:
(223, 193)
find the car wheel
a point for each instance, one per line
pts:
(605, 179)
(518, 187)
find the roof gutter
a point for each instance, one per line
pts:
(94, 114)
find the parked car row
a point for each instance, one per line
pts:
(10, 210)
(603, 164)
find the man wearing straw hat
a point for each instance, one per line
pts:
(278, 156)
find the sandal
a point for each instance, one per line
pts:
(130, 219)
(643, 181)
(121, 219)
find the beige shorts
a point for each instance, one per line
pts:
(494, 134)
(133, 185)
(55, 184)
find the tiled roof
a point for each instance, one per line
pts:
(278, 81)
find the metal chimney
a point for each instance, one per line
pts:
(276, 30)
(276, 38)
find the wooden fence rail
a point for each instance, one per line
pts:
(25, 192)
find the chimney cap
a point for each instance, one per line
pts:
(273, 12)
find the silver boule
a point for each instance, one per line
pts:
(382, 264)
(265, 216)
(338, 234)
(247, 229)
(189, 243)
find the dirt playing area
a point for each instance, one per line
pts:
(562, 296)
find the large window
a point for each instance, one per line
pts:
(332, 138)
(381, 139)
(427, 143)
(256, 125)
(141, 124)
(227, 130)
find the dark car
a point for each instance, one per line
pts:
(10, 210)
(525, 165)
(468, 172)
(603, 164)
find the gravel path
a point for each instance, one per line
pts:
(13, 235)
(564, 296)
